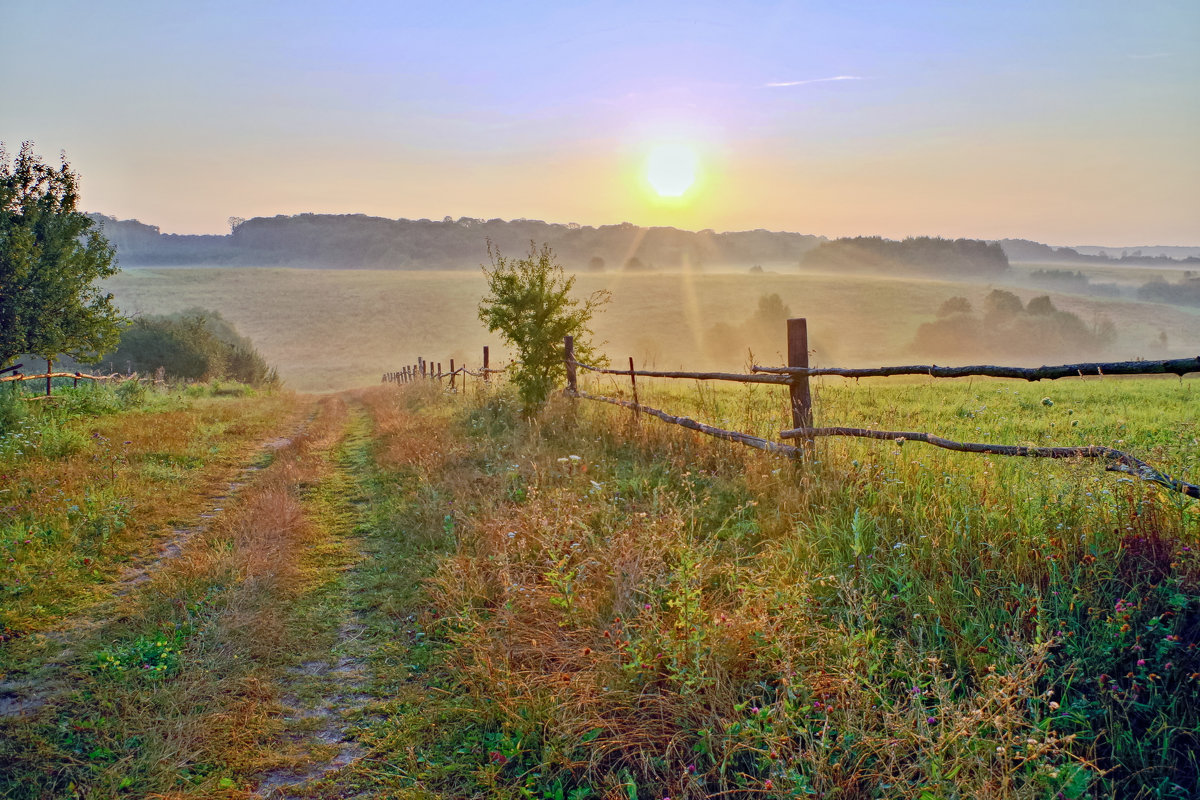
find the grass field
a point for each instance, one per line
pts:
(406, 593)
(332, 329)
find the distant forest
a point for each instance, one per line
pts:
(959, 257)
(359, 241)
(1025, 250)
(352, 241)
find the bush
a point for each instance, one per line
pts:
(194, 345)
(1011, 329)
(530, 305)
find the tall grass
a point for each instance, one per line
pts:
(634, 609)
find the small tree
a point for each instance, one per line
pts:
(529, 304)
(50, 257)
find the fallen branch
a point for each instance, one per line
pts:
(691, 424)
(780, 380)
(1176, 366)
(1118, 461)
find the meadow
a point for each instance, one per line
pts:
(334, 329)
(419, 594)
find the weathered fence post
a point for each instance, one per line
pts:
(421, 361)
(452, 376)
(569, 358)
(801, 398)
(77, 374)
(633, 380)
(439, 375)
(49, 380)
(486, 375)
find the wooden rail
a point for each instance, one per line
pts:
(796, 376)
(1174, 366)
(82, 376)
(1119, 461)
(691, 424)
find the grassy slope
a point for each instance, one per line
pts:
(629, 610)
(85, 492)
(329, 329)
(429, 597)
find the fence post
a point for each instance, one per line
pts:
(801, 398)
(633, 380)
(439, 375)
(49, 380)
(569, 357)
(421, 361)
(452, 375)
(487, 378)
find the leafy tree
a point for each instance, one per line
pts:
(1041, 305)
(196, 344)
(1000, 302)
(50, 256)
(955, 305)
(529, 304)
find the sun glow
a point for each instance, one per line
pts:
(671, 169)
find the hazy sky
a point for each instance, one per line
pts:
(1072, 123)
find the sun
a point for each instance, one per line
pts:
(671, 169)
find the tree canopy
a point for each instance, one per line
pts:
(51, 255)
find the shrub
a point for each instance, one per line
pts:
(529, 304)
(193, 345)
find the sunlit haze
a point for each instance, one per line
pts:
(1068, 123)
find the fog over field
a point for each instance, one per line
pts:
(333, 329)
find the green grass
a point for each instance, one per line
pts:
(589, 605)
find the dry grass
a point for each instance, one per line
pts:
(628, 607)
(213, 627)
(126, 481)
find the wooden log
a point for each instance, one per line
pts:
(776, 380)
(691, 424)
(486, 370)
(452, 374)
(798, 392)
(1118, 461)
(13, 368)
(1174, 366)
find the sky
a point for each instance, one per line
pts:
(1065, 122)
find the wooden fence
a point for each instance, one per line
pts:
(49, 375)
(424, 370)
(795, 376)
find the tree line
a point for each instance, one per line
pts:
(358, 241)
(922, 254)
